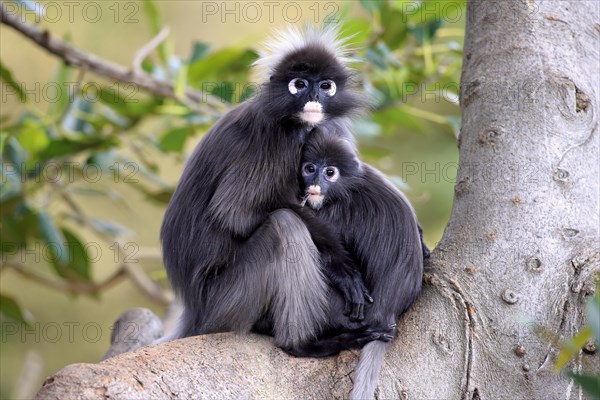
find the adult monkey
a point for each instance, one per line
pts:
(237, 247)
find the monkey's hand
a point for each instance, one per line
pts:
(346, 278)
(337, 265)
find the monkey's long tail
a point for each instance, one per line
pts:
(367, 371)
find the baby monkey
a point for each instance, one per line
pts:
(376, 225)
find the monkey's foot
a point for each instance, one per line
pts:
(330, 346)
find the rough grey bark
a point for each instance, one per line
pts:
(522, 243)
(221, 366)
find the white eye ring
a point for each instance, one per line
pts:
(305, 169)
(293, 88)
(334, 177)
(332, 87)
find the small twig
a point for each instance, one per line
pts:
(133, 271)
(148, 48)
(139, 152)
(147, 285)
(66, 286)
(80, 59)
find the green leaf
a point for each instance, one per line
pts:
(112, 97)
(199, 51)
(78, 266)
(11, 309)
(18, 224)
(230, 64)
(155, 26)
(3, 140)
(67, 92)
(64, 146)
(163, 196)
(425, 32)
(391, 119)
(357, 30)
(372, 5)
(181, 82)
(15, 154)
(33, 137)
(592, 310)
(570, 348)
(225, 91)
(55, 241)
(387, 54)
(406, 5)
(153, 17)
(10, 185)
(7, 77)
(375, 57)
(174, 140)
(589, 383)
(77, 119)
(126, 101)
(395, 23)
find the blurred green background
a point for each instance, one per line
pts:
(88, 165)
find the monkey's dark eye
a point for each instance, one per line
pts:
(328, 87)
(331, 174)
(308, 169)
(297, 85)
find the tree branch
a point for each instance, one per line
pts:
(66, 286)
(133, 271)
(90, 62)
(148, 48)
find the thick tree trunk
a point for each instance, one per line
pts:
(521, 246)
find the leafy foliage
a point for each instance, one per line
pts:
(408, 51)
(571, 348)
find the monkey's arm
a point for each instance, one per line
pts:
(236, 205)
(338, 265)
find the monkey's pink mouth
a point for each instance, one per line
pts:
(314, 198)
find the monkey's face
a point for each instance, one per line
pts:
(330, 169)
(310, 86)
(313, 93)
(317, 180)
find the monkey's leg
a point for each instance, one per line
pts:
(332, 345)
(337, 265)
(343, 334)
(299, 306)
(276, 270)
